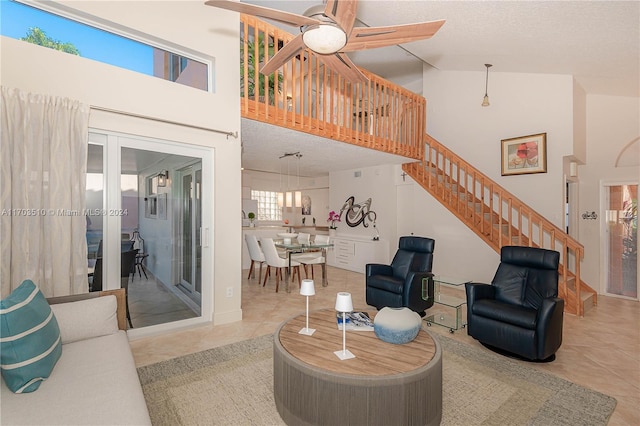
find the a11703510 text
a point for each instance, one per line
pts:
(26, 212)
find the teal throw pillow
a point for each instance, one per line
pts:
(30, 343)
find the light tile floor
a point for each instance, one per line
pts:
(600, 351)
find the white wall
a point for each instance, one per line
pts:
(521, 104)
(579, 124)
(612, 123)
(404, 208)
(188, 23)
(458, 253)
(377, 183)
(592, 129)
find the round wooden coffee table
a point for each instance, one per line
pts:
(385, 384)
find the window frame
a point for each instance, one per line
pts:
(267, 200)
(69, 13)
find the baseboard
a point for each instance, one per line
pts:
(227, 317)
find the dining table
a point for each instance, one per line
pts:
(294, 247)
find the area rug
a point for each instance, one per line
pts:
(233, 385)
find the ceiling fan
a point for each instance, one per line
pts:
(329, 31)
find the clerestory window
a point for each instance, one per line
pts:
(49, 29)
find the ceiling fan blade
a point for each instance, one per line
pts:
(362, 38)
(288, 51)
(263, 12)
(341, 64)
(343, 12)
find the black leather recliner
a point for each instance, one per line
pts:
(520, 312)
(400, 284)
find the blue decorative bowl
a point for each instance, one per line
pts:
(397, 325)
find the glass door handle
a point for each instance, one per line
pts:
(204, 237)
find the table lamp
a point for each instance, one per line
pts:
(307, 289)
(344, 304)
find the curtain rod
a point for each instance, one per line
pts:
(162, 120)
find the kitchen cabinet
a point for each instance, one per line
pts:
(353, 253)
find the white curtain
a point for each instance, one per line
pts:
(43, 155)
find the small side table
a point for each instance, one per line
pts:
(448, 310)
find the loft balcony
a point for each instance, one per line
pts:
(306, 96)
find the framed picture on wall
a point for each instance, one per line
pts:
(306, 205)
(524, 155)
(151, 207)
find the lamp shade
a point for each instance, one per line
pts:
(324, 38)
(344, 302)
(307, 288)
(162, 178)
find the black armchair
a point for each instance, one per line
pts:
(520, 312)
(400, 284)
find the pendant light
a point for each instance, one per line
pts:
(297, 195)
(280, 193)
(288, 201)
(290, 198)
(485, 101)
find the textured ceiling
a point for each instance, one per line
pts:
(598, 42)
(263, 145)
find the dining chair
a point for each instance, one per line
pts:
(256, 255)
(304, 238)
(138, 243)
(273, 260)
(96, 276)
(127, 264)
(311, 258)
(127, 268)
(125, 245)
(322, 239)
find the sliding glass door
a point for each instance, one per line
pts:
(147, 196)
(190, 231)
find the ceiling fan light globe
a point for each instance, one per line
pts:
(324, 39)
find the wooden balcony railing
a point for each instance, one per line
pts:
(497, 216)
(305, 95)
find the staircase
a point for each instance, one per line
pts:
(499, 218)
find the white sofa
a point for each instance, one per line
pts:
(95, 381)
